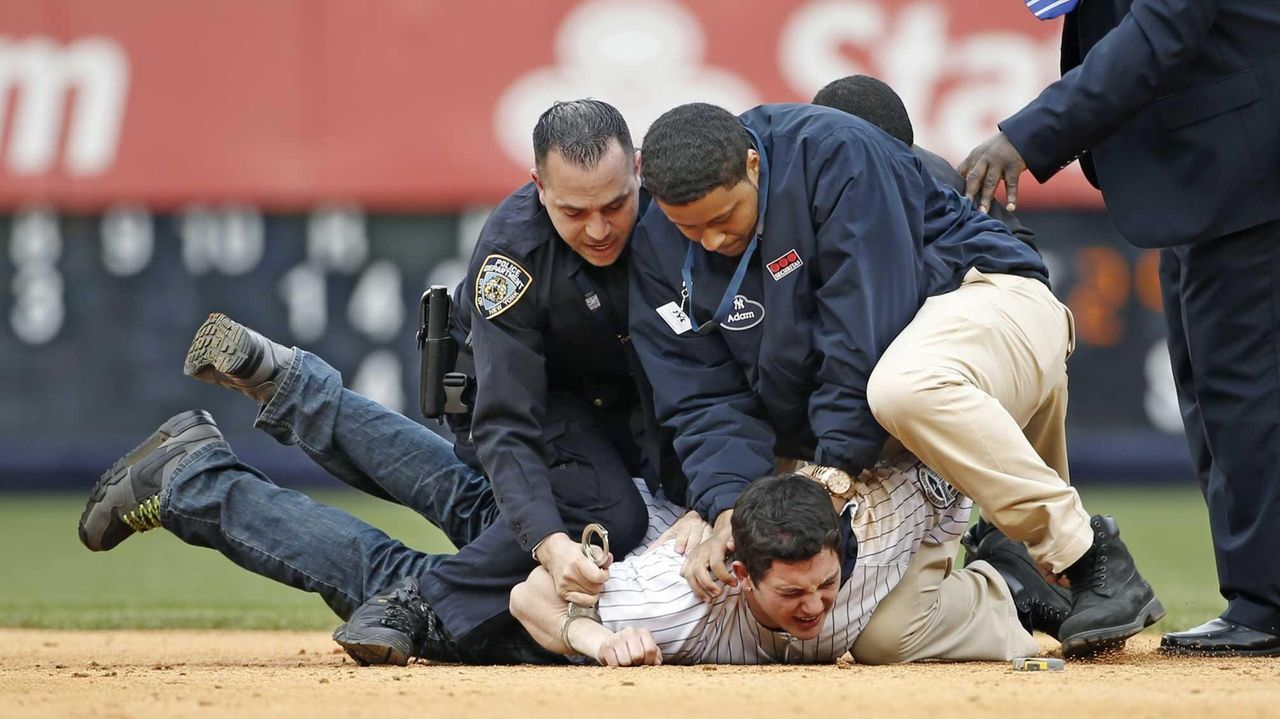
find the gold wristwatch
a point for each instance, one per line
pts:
(837, 482)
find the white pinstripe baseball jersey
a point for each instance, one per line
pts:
(900, 505)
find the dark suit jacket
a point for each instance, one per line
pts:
(1177, 105)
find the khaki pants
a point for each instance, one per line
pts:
(934, 613)
(976, 387)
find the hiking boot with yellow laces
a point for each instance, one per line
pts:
(126, 498)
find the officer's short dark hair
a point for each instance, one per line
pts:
(580, 130)
(691, 150)
(870, 99)
(788, 518)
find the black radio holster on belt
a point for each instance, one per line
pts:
(442, 389)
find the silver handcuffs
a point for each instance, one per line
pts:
(592, 612)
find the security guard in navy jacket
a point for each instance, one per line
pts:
(874, 101)
(803, 285)
(810, 385)
(561, 417)
(1171, 107)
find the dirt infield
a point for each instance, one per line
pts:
(224, 673)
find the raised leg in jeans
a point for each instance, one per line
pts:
(376, 450)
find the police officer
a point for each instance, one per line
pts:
(561, 418)
(803, 286)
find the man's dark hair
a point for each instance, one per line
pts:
(580, 130)
(691, 150)
(788, 518)
(870, 99)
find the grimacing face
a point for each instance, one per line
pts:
(723, 220)
(795, 597)
(593, 210)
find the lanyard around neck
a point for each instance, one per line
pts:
(735, 283)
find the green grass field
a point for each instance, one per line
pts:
(156, 581)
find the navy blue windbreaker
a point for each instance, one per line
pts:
(856, 235)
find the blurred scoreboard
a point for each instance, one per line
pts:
(96, 312)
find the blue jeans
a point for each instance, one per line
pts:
(214, 500)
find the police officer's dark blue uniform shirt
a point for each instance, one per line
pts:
(855, 236)
(543, 328)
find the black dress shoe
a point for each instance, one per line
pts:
(1221, 638)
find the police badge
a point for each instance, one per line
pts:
(500, 283)
(937, 490)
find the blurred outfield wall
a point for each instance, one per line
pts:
(309, 166)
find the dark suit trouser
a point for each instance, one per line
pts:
(1222, 307)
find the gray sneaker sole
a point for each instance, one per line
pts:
(119, 471)
(1111, 639)
(220, 344)
(368, 648)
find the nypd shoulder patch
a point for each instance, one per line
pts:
(937, 490)
(500, 284)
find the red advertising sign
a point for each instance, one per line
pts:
(427, 104)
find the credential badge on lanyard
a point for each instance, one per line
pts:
(675, 318)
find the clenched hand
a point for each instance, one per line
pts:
(578, 580)
(629, 647)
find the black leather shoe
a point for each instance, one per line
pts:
(1221, 638)
(1110, 601)
(394, 627)
(1041, 605)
